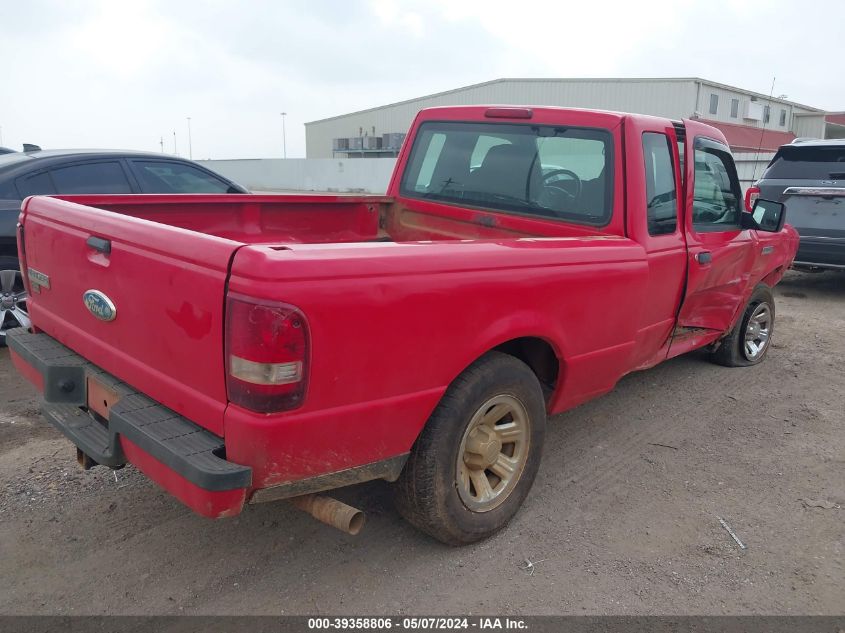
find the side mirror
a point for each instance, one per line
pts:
(766, 215)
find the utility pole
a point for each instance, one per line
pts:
(190, 146)
(284, 137)
(175, 152)
(161, 142)
(1, 134)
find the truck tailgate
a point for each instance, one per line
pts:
(816, 211)
(166, 285)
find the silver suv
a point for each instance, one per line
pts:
(808, 176)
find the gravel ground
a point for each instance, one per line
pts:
(623, 518)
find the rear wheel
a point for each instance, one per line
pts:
(13, 312)
(475, 461)
(749, 341)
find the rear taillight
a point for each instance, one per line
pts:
(751, 196)
(267, 350)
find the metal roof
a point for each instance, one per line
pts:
(569, 80)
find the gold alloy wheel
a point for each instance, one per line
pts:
(493, 453)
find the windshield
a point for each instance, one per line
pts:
(548, 171)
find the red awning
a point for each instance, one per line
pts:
(744, 138)
(837, 118)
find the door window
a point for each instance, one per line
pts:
(107, 177)
(716, 193)
(35, 185)
(661, 196)
(157, 176)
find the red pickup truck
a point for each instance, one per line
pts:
(244, 348)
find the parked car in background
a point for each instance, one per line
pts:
(46, 172)
(809, 177)
(6, 150)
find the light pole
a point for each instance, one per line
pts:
(190, 147)
(284, 137)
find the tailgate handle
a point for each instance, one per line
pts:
(99, 244)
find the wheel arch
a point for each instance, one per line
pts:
(540, 356)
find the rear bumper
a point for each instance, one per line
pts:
(182, 457)
(821, 252)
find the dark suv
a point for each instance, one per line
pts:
(67, 172)
(809, 178)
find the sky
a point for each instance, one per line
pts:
(128, 73)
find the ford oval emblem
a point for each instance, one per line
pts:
(99, 305)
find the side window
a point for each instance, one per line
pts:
(35, 185)
(682, 168)
(716, 194)
(156, 176)
(661, 196)
(91, 178)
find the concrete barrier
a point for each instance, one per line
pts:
(371, 175)
(367, 175)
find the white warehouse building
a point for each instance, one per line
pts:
(751, 122)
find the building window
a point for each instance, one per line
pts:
(734, 108)
(714, 104)
(767, 114)
(783, 118)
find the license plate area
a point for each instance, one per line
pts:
(100, 398)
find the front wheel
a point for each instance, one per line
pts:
(477, 457)
(13, 312)
(749, 341)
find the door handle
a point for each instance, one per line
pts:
(99, 244)
(704, 257)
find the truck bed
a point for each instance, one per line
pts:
(322, 219)
(165, 262)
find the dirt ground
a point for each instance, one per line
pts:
(623, 518)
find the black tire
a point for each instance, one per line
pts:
(8, 318)
(427, 493)
(732, 351)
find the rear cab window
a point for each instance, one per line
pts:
(797, 162)
(552, 172)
